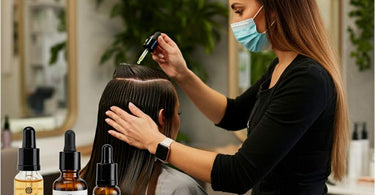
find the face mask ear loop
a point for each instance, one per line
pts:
(270, 25)
(260, 9)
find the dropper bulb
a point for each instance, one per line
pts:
(28, 138)
(107, 154)
(70, 141)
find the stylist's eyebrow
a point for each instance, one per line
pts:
(233, 6)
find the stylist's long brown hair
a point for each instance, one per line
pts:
(298, 27)
(151, 91)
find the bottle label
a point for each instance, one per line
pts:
(28, 187)
(81, 192)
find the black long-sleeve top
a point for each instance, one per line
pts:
(290, 134)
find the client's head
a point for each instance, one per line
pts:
(151, 91)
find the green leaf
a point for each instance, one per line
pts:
(116, 10)
(190, 23)
(55, 50)
(362, 35)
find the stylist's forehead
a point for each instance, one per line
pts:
(243, 3)
(243, 9)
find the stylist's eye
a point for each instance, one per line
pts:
(238, 11)
(179, 113)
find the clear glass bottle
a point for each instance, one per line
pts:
(28, 180)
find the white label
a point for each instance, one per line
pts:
(82, 192)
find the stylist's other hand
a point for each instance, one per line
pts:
(139, 130)
(169, 57)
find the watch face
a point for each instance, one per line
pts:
(162, 152)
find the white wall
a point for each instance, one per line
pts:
(202, 131)
(359, 85)
(95, 32)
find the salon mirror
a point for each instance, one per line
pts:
(39, 65)
(241, 71)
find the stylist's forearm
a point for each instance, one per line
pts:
(210, 102)
(195, 162)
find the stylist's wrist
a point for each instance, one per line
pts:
(183, 77)
(153, 144)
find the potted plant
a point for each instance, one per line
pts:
(190, 23)
(362, 36)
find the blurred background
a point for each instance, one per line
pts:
(58, 55)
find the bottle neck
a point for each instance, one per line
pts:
(106, 185)
(28, 175)
(70, 173)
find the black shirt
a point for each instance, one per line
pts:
(290, 133)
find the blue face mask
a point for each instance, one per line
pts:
(246, 33)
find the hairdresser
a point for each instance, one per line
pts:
(295, 114)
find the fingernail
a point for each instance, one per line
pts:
(107, 112)
(131, 105)
(112, 108)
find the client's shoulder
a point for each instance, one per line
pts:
(172, 181)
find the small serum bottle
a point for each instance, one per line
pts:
(106, 174)
(69, 182)
(6, 135)
(28, 180)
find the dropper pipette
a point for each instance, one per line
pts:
(149, 45)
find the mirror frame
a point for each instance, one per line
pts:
(233, 48)
(71, 26)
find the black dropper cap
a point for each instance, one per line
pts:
(152, 42)
(6, 123)
(355, 133)
(69, 158)
(364, 131)
(28, 155)
(106, 170)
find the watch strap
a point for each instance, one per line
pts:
(167, 142)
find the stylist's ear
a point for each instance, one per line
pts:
(161, 118)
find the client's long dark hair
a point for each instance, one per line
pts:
(151, 91)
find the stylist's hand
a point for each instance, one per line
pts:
(139, 130)
(169, 57)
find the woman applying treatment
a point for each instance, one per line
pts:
(139, 172)
(296, 113)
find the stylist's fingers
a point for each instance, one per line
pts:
(116, 118)
(163, 44)
(122, 113)
(127, 139)
(137, 112)
(116, 122)
(119, 135)
(116, 126)
(168, 40)
(158, 59)
(159, 55)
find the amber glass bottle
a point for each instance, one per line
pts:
(106, 174)
(69, 182)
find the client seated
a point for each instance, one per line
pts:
(139, 171)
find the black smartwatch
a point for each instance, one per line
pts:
(162, 151)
